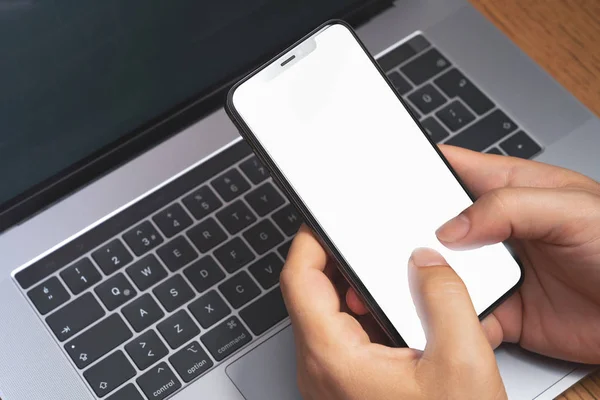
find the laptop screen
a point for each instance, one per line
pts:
(77, 76)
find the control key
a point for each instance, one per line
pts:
(159, 382)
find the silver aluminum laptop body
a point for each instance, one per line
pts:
(33, 366)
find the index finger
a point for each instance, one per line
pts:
(484, 172)
(309, 295)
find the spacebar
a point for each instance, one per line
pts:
(265, 312)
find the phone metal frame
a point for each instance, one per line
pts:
(344, 267)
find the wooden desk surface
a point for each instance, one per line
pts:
(562, 36)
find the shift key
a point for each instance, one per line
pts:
(226, 338)
(98, 340)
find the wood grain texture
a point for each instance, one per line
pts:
(563, 37)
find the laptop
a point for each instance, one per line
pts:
(142, 240)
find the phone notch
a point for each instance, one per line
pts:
(290, 58)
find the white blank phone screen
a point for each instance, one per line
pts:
(366, 172)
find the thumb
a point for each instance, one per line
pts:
(442, 301)
(552, 215)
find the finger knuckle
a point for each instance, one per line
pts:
(499, 199)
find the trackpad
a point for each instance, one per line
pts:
(269, 371)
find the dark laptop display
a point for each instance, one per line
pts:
(80, 78)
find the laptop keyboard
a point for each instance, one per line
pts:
(450, 107)
(165, 290)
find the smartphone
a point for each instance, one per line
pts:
(347, 151)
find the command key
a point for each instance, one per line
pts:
(226, 338)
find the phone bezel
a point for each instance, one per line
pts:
(346, 270)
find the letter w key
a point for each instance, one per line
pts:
(146, 272)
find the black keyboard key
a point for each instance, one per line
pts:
(494, 150)
(112, 256)
(146, 349)
(455, 84)
(177, 253)
(178, 329)
(75, 316)
(115, 291)
(146, 272)
(266, 270)
(48, 295)
(265, 312)
(230, 185)
(427, 98)
(202, 202)
(81, 275)
(127, 392)
(264, 199)
(425, 66)
(485, 132)
(288, 220)
(455, 116)
(239, 289)
(263, 236)
(209, 309)
(206, 235)
(159, 383)
(109, 373)
(142, 238)
(434, 129)
(204, 273)
(234, 254)
(236, 217)
(142, 312)
(98, 340)
(172, 220)
(403, 52)
(191, 361)
(520, 145)
(174, 293)
(63, 256)
(226, 338)
(284, 249)
(254, 170)
(400, 84)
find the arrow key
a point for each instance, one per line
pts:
(109, 373)
(159, 382)
(146, 349)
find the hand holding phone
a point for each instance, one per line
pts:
(346, 150)
(338, 360)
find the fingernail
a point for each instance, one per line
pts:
(424, 257)
(454, 230)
